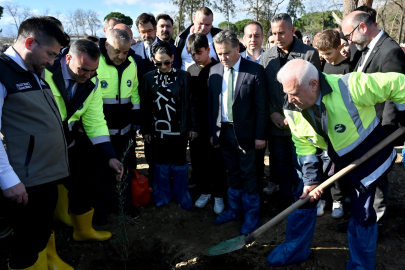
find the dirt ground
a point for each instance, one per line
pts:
(172, 238)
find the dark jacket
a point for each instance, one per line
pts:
(148, 65)
(387, 56)
(32, 127)
(250, 103)
(271, 63)
(183, 95)
(181, 39)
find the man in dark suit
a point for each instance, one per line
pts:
(380, 53)
(237, 111)
(146, 25)
(280, 143)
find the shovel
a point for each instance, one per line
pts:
(241, 241)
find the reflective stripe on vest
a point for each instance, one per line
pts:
(380, 170)
(100, 139)
(355, 115)
(116, 101)
(123, 130)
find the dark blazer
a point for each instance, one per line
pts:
(250, 103)
(183, 95)
(182, 37)
(271, 63)
(139, 49)
(387, 56)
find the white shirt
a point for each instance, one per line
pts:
(148, 47)
(370, 46)
(66, 75)
(8, 177)
(227, 72)
(187, 60)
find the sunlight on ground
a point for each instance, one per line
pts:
(192, 261)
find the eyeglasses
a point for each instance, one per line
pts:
(51, 56)
(166, 63)
(348, 36)
(146, 31)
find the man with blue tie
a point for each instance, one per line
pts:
(237, 110)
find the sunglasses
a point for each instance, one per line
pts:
(166, 63)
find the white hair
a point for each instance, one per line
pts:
(298, 69)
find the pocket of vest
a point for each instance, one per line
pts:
(29, 153)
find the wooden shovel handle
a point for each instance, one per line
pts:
(325, 184)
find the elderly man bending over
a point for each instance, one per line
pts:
(334, 116)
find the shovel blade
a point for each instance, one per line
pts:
(226, 246)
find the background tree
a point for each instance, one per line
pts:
(125, 19)
(295, 8)
(240, 25)
(18, 13)
(1, 15)
(314, 22)
(226, 7)
(224, 26)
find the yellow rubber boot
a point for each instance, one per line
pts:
(62, 207)
(83, 229)
(54, 261)
(28, 268)
(42, 262)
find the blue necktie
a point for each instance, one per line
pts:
(69, 90)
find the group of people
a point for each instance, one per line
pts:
(70, 111)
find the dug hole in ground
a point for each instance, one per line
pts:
(173, 238)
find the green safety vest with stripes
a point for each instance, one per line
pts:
(90, 112)
(120, 97)
(351, 115)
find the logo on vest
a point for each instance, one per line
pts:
(104, 84)
(340, 128)
(22, 86)
(129, 83)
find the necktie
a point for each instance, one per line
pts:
(69, 90)
(317, 112)
(230, 95)
(363, 56)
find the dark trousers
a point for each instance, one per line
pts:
(32, 224)
(149, 156)
(282, 152)
(79, 183)
(209, 169)
(170, 149)
(241, 164)
(260, 168)
(106, 197)
(340, 190)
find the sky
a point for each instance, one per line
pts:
(132, 8)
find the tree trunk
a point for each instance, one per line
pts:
(400, 26)
(350, 5)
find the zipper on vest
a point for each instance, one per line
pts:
(29, 154)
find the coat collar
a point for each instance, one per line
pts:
(325, 90)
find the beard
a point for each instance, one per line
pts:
(361, 43)
(148, 40)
